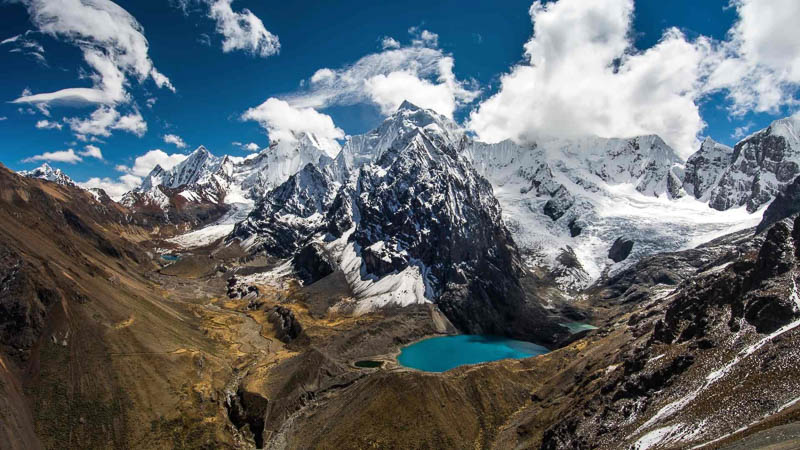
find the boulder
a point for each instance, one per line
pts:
(620, 249)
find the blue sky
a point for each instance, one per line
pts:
(213, 87)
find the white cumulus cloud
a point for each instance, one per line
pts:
(285, 122)
(250, 146)
(143, 164)
(176, 140)
(240, 30)
(243, 30)
(114, 188)
(48, 125)
(65, 156)
(759, 66)
(389, 42)
(420, 73)
(105, 119)
(92, 151)
(582, 76)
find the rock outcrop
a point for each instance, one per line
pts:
(762, 165)
(620, 249)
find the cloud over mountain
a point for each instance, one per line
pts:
(420, 73)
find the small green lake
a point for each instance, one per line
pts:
(442, 353)
(168, 257)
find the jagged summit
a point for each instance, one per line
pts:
(705, 167)
(762, 165)
(396, 131)
(407, 105)
(225, 182)
(46, 172)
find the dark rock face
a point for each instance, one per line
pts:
(558, 205)
(174, 209)
(674, 184)
(431, 209)
(620, 249)
(247, 411)
(705, 167)
(634, 283)
(24, 301)
(241, 290)
(569, 271)
(575, 227)
(707, 335)
(762, 165)
(287, 327)
(303, 195)
(786, 204)
(312, 264)
(380, 261)
(758, 290)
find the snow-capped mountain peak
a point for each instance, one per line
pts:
(396, 131)
(705, 167)
(200, 164)
(46, 172)
(309, 142)
(762, 165)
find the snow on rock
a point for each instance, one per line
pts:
(584, 194)
(705, 168)
(203, 177)
(46, 172)
(762, 165)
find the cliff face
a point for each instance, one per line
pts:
(762, 165)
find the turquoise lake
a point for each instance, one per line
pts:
(442, 353)
(170, 257)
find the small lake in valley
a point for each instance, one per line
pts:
(576, 327)
(442, 353)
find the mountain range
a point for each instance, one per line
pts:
(564, 201)
(234, 302)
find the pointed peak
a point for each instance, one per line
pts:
(408, 106)
(200, 150)
(47, 172)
